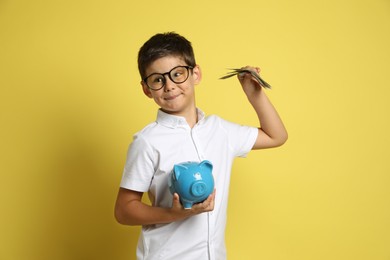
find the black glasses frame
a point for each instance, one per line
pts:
(169, 76)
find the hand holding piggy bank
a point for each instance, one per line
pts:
(193, 182)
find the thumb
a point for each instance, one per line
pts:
(176, 200)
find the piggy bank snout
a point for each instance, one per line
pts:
(199, 188)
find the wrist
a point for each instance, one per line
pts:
(177, 214)
(255, 95)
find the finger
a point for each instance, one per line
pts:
(176, 200)
(212, 203)
(203, 206)
(241, 75)
(209, 202)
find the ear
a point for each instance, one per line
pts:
(177, 168)
(206, 164)
(197, 74)
(146, 90)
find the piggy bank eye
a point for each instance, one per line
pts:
(197, 176)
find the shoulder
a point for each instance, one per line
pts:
(140, 139)
(235, 130)
(148, 130)
(216, 120)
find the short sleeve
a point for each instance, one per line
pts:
(139, 169)
(241, 138)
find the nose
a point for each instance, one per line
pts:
(169, 84)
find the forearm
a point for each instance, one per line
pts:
(130, 210)
(138, 213)
(271, 128)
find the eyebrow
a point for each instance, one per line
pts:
(147, 75)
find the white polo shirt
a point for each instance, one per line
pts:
(150, 159)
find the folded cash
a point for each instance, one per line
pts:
(234, 72)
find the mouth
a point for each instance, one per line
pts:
(171, 97)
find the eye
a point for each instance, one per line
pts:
(177, 73)
(155, 78)
(155, 81)
(158, 79)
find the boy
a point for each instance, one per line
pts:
(182, 133)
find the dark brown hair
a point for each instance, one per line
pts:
(162, 45)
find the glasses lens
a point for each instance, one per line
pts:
(179, 74)
(155, 81)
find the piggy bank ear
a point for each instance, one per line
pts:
(178, 169)
(206, 165)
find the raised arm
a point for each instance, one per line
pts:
(272, 132)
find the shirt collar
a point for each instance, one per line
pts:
(176, 121)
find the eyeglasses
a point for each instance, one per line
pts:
(178, 74)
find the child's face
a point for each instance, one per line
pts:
(173, 98)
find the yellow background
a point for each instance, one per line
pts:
(70, 102)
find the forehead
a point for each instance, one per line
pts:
(165, 64)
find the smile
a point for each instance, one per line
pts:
(171, 97)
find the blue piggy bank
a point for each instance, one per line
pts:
(193, 182)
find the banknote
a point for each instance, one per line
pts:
(234, 72)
